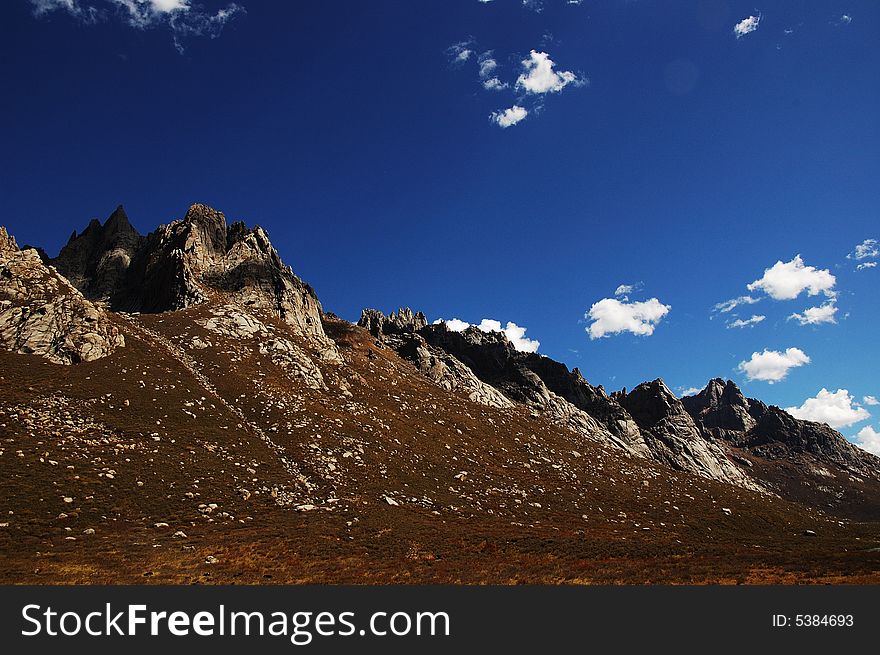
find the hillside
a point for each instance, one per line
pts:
(191, 413)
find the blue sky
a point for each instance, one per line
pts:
(682, 148)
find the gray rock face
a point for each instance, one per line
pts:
(720, 405)
(43, 314)
(675, 439)
(187, 261)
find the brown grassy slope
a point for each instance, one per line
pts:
(270, 481)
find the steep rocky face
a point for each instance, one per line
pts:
(186, 261)
(674, 438)
(97, 260)
(42, 313)
(778, 434)
(720, 405)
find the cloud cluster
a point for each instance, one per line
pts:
(537, 77)
(612, 316)
(869, 249)
(773, 366)
(837, 409)
(514, 333)
(181, 17)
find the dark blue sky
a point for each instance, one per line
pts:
(690, 162)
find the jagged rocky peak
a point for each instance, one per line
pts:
(185, 262)
(42, 313)
(651, 402)
(721, 405)
(674, 438)
(97, 260)
(403, 321)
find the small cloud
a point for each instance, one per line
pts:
(817, 315)
(509, 117)
(460, 52)
(690, 391)
(836, 409)
(751, 322)
(611, 316)
(870, 400)
(514, 333)
(538, 76)
(867, 249)
(868, 439)
(845, 19)
(535, 5)
(494, 84)
(747, 26)
(733, 303)
(862, 267)
(773, 366)
(626, 289)
(787, 280)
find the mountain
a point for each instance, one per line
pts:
(178, 407)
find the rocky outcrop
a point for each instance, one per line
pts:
(675, 439)
(187, 261)
(720, 405)
(449, 373)
(403, 321)
(778, 434)
(97, 260)
(42, 313)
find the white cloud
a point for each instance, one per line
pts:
(509, 117)
(867, 249)
(733, 303)
(845, 19)
(747, 26)
(870, 400)
(817, 315)
(611, 316)
(868, 439)
(494, 84)
(773, 366)
(179, 16)
(862, 267)
(487, 64)
(751, 322)
(787, 280)
(690, 391)
(836, 409)
(514, 333)
(539, 77)
(455, 324)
